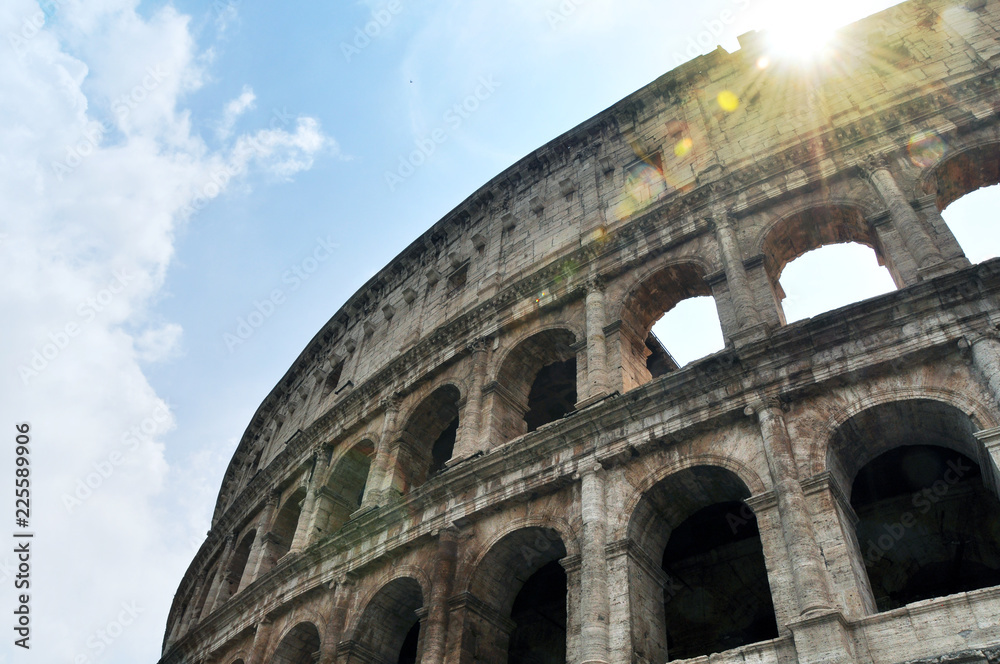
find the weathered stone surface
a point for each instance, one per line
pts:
(473, 460)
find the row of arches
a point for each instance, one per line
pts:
(827, 254)
(926, 524)
(673, 315)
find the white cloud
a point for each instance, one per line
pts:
(99, 167)
(159, 344)
(235, 109)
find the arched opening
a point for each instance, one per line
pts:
(237, 567)
(332, 380)
(283, 529)
(668, 320)
(523, 590)
(972, 219)
(536, 385)
(201, 607)
(714, 593)
(831, 277)
(967, 197)
(428, 438)
(299, 646)
(927, 524)
(539, 615)
(346, 487)
(389, 627)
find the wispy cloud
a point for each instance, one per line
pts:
(234, 110)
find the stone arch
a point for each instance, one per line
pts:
(709, 590)
(282, 531)
(918, 481)
(980, 414)
(536, 382)
(746, 475)
(428, 437)
(345, 485)
(963, 171)
(239, 655)
(568, 534)
(299, 645)
(655, 293)
(973, 165)
(389, 622)
(811, 227)
(233, 580)
(518, 597)
(201, 606)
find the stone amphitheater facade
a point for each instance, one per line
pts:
(485, 457)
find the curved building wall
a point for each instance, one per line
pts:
(486, 439)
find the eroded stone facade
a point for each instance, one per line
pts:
(473, 461)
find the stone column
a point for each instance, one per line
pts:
(222, 578)
(469, 438)
(317, 498)
(915, 237)
(380, 474)
(259, 549)
(305, 528)
(809, 575)
(597, 350)
(191, 612)
(946, 241)
(436, 624)
(736, 274)
(261, 639)
(836, 528)
(594, 605)
(342, 594)
(986, 360)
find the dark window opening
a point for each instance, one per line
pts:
(443, 447)
(408, 653)
(552, 395)
(717, 595)
(332, 379)
(539, 612)
(458, 278)
(927, 527)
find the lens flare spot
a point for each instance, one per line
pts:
(763, 62)
(926, 148)
(728, 101)
(683, 147)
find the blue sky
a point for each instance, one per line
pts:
(168, 170)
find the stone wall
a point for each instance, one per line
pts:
(340, 528)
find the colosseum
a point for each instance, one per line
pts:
(486, 457)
